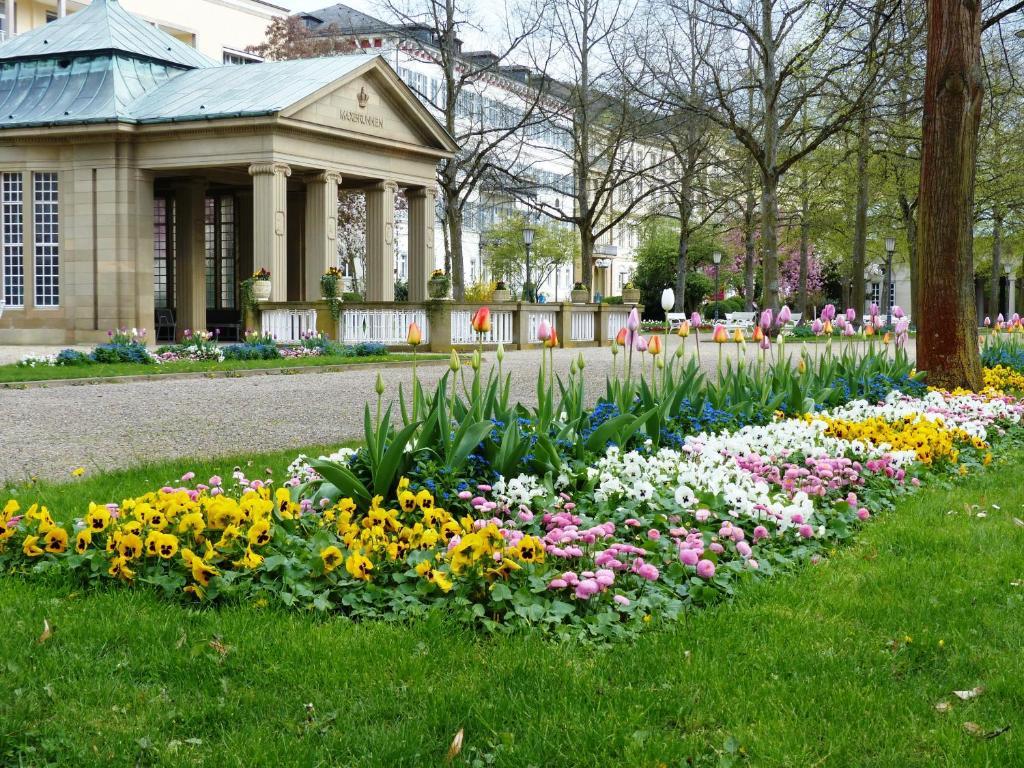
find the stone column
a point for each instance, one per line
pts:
(380, 241)
(62, 8)
(270, 224)
(1011, 299)
(9, 17)
(421, 240)
(190, 256)
(321, 229)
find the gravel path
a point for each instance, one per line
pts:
(47, 432)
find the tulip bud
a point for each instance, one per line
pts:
(572, 367)
(765, 343)
(680, 351)
(633, 321)
(474, 361)
(453, 362)
(801, 366)
(659, 362)
(668, 299)
(415, 336)
(500, 352)
(615, 347)
(379, 386)
(581, 363)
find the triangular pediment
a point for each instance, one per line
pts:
(373, 101)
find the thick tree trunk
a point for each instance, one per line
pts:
(994, 306)
(947, 341)
(749, 250)
(860, 216)
(682, 267)
(907, 212)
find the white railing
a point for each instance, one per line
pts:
(385, 326)
(288, 324)
(502, 328)
(616, 322)
(582, 326)
(536, 318)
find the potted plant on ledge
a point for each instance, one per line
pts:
(580, 294)
(330, 284)
(261, 284)
(630, 293)
(439, 285)
(501, 292)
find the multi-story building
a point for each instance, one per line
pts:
(221, 29)
(542, 153)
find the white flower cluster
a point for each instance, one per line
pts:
(299, 468)
(517, 490)
(33, 361)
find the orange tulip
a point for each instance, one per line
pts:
(482, 320)
(654, 345)
(887, 338)
(720, 335)
(758, 333)
(684, 329)
(552, 340)
(869, 330)
(415, 337)
(620, 337)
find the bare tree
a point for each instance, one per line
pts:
(287, 37)
(818, 58)
(489, 134)
(593, 123)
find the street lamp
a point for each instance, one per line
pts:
(890, 249)
(716, 258)
(528, 293)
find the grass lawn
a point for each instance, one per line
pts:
(10, 374)
(841, 664)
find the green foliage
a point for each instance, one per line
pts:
(505, 254)
(657, 259)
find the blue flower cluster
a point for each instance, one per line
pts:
(1001, 354)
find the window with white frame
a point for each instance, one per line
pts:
(220, 252)
(874, 293)
(12, 191)
(232, 56)
(46, 229)
(163, 252)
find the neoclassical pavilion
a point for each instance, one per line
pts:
(135, 175)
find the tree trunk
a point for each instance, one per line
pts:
(947, 341)
(994, 306)
(860, 217)
(910, 229)
(769, 243)
(453, 223)
(749, 251)
(683, 254)
(805, 249)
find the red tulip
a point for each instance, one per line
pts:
(482, 320)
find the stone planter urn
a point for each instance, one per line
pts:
(261, 290)
(501, 295)
(580, 295)
(630, 295)
(438, 287)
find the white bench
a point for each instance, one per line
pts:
(675, 319)
(742, 320)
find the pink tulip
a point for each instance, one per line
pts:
(695, 320)
(766, 320)
(785, 315)
(898, 312)
(988, 321)
(543, 331)
(633, 321)
(851, 315)
(1000, 319)
(816, 327)
(640, 344)
(828, 312)
(765, 343)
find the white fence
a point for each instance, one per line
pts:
(502, 328)
(582, 326)
(536, 318)
(616, 322)
(385, 326)
(288, 325)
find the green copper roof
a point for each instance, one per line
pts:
(244, 89)
(103, 27)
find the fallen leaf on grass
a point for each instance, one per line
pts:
(47, 633)
(965, 695)
(456, 747)
(943, 707)
(976, 730)
(1018, 521)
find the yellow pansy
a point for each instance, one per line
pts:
(119, 569)
(31, 547)
(98, 517)
(358, 566)
(259, 533)
(167, 546)
(129, 547)
(83, 540)
(250, 560)
(332, 558)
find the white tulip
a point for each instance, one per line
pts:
(668, 299)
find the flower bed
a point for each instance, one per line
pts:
(584, 522)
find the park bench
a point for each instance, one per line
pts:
(741, 320)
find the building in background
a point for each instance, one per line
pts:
(220, 29)
(492, 99)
